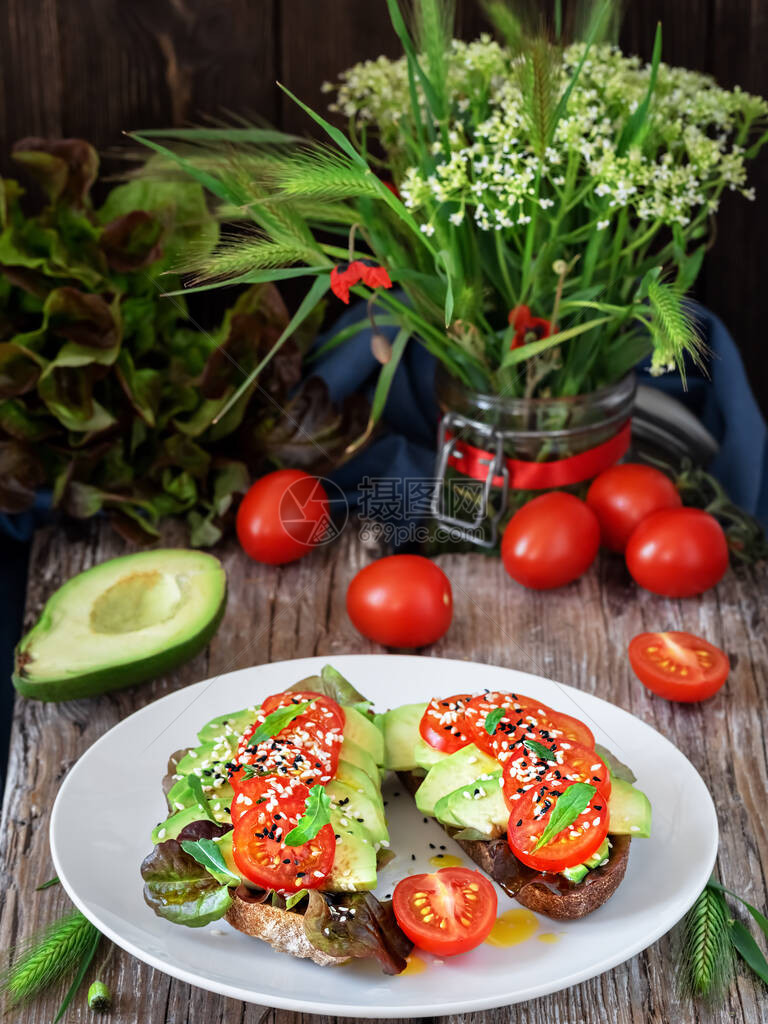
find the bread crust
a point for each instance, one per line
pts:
(554, 897)
(282, 929)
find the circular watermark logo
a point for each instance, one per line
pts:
(313, 511)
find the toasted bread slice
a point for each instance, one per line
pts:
(282, 929)
(550, 894)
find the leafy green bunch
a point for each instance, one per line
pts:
(543, 204)
(109, 393)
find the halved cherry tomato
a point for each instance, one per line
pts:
(445, 913)
(569, 762)
(442, 724)
(260, 852)
(569, 847)
(678, 666)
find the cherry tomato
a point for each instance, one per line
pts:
(401, 601)
(678, 552)
(622, 496)
(678, 666)
(550, 541)
(445, 913)
(569, 762)
(568, 847)
(263, 858)
(442, 724)
(283, 516)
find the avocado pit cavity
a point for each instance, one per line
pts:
(137, 601)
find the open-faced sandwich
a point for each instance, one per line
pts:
(276, 823)
(525, 791)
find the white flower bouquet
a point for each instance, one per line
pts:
(544, 207)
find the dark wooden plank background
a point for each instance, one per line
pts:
(96, 67)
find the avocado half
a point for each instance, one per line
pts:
(122, 622)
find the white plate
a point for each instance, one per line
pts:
(112, 798)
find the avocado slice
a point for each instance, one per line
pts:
(354, 862)
(122, 622)
(629, 811)
(425, 755)
(479, 805)
(401, 730)
(358, 806)
(362, 731)
(353, 754)
(465, 766)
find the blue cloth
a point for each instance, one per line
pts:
(723, 402)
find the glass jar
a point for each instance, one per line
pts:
(496, 452)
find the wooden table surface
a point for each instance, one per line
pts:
(577, 635)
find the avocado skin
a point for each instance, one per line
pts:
(104, 680)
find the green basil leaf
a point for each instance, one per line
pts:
(749, 950)
(568, 807)
(207, 853)
(317, 813)
(294, 898)
(492, 720)
(277, 721)
(539, 750)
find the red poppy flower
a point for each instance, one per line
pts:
(525, 324)
(375, 277)
(357, 271)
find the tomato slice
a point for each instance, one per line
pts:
(678, 666)
(521, 714)
(317, 733)
(442, 725)
(263, 858)
(448, 912)
(278, 756)
(324, 708)
(255, 789)
(569, 847)
(569, 762)
(566, 727)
